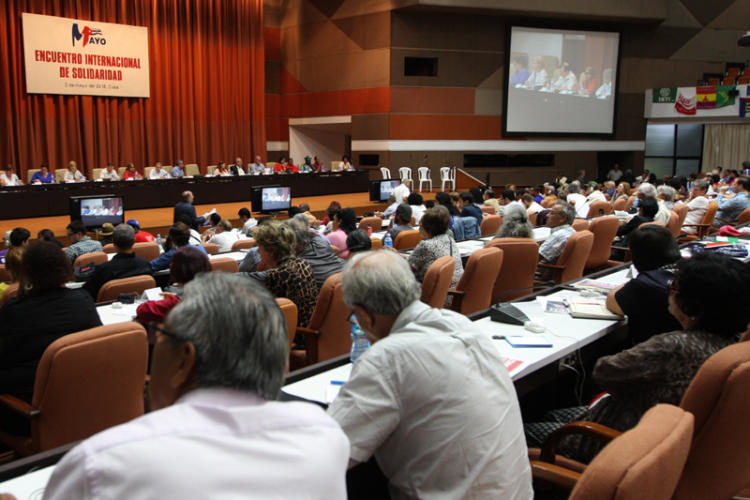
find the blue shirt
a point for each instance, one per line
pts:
(177, 172)
(472, 211)
(162, 261)
(44, 180)
(519, 77)
(730, 208)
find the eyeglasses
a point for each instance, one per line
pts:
(155, 330)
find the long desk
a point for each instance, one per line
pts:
(43, 200)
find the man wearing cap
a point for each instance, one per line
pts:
(140, 236)
(105, 235)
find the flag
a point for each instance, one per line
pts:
(664, 94)
(722, 96)
(685, 103)
(744, 108)
(705, 97)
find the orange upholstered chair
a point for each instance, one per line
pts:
(437, 281)
(620, 204)
(210, 248)
(681, 209)
(490, 225)
(376, 223)
(598, 208)
(580, 224)
(604, 230)
(377, 243)
(474, 290)
(407, 239)
(743, 217)
(327, 335)
(705, 224)
(243, 245)
(644, 462)
(112, 288)
(109, 248)
(487, 210)
(225, 264)
(148, 250)
(289, 309)
(95, 258)
(674, 223)
(573, 258)
(9, 293)
(719, 462)
(85, 382)
(520, 256)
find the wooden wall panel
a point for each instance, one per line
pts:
(431, 100)
(445, 127)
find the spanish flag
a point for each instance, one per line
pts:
(705, 97)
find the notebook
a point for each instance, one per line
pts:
(590, 309)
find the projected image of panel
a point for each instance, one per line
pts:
(387, 187)
(560, 82)
(97, 211)
(276, 198)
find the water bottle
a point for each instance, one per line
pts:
(359, 342)
(158, 239)
(387, 241)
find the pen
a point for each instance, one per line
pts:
(338, 382)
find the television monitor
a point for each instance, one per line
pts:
(380, 190)
(270, 199)
(94, 211)
(560, 82)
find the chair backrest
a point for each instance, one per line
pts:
(376, 223)
(289, 309)
(95, 173)
(330, 319)
(148, 250)
(210, 248)
(87, 382)
(5, 276)
(225, 264)
(487, 210)
(490, 225)
(743, 217)
(479, 278)
(404, 173)
(386, 172)
(644, 462)
(708, 217)
(192, 169)
(598, 208)
(377, 243)
(243, 245)
(335, 165)
(580, 224)
(109, 248)
(423, 173)
(407, 239)
(9, 293)
(445, 174)
(620, 204)
(112, 288)
(604, 230)
(743, 80)
(719, 462)
(60, 175)
(574, 255)
(121, 170)
(681, 209)
(520, 256)
(437, 281)
(147, 172)
(30, 173)
(674, 223)
(95, 258)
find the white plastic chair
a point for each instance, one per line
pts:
(386, 172)
(424, 176)
(405, 173)
(446, 175)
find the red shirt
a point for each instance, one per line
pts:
(278, 168)
(156, 310)
(131, 175)
(144, 237)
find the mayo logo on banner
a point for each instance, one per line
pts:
(89, 35)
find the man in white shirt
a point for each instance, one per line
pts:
(567, 82)
(216, 430)
(109, 173)
(431, 399)
(223, 236)
(401, 192)
(615, 173)
(236, 168)
(158, 173)
(578, 201)
(257, 167)
(72, 174)
(697, 206)
(9, 178)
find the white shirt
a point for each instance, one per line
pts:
(9, 181)
(435, 405)
(596, 195)
(77, 177)
(581, 205)
(160, 174)
(212, 443)
(106, 175)
(417, 211)
(401, 192)
(662, 215)
(696, 210)
(604, 91)
(225, 240)
(566, 83)
(534, 208)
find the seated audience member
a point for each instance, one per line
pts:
(124, 264)
(491, 201)
(13, 261)
(217, 371)
(158, 173)
(141, 236)
(594, 193)
(44, 176)
(392, 206)
(621, 191)
(105, 235)
(179, 236)
(401, 192)
(17, 238)
(468, 208)
(344, 222)
(8, 177)
(256, 167)
(48, 235)
(43, 311)
(647, 210)
(195, 237)
(131, 174)
(247, 222)
(508, 197)
(659, 369)
(646, 191)
(416, 202)
(223, 235)
(549, 196)
(407, 396)
(333, 207)
(643, 299)
(305, 210)
(666, 195)
(358, 241)
(731, 205)
(532, 207)
(515, 223)
(72, 174)
(178, 171)
(315, 250)
(79, 242)
(560, 218)
(109, 173)
(187, 262)
(285, 275)
(577, 200)
(435, 244)
(401, 221)
(697, 206)
(185, 206)
(236, 168)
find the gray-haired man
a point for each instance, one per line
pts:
(218, 364)
(431, 399)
